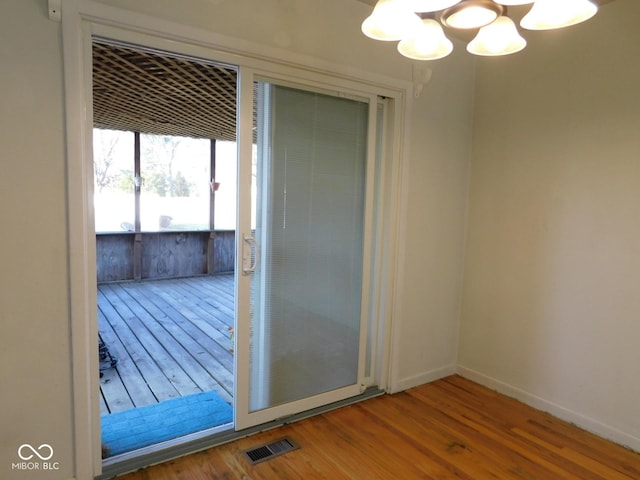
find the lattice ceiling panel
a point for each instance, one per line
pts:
(138, 90)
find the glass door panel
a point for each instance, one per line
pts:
(304, 256)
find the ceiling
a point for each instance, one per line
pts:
(151, 92)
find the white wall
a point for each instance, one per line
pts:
(551, 287)
(35, 384)
(429, 295)
(35, 370)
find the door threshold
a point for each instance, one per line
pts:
(165, 451)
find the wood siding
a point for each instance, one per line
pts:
(155, 255)
(114, 257)
(174, 254)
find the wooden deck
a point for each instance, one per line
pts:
(170, 338)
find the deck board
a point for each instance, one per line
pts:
(127, 373)
(159, 343)
(184, 342)
(198, 320)
(141, 346)
(134, 362)
(170, 337)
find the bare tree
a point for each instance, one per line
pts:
(104, 145)
(161, 152)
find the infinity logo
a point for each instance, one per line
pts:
(38, 453)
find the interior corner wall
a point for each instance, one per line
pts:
(550, 298)
(433, 224)
(35, 366)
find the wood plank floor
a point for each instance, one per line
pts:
(449, 429)
(170, 338)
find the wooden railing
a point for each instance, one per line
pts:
(169, 254)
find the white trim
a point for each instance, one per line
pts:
(554, 409)
(372, 350)
(83, 19)
(82, 265)
(394, 200)
(243, 282)
(370, 230)
(244, 418)
(422, 378)
(398, 223)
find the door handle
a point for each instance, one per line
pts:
(249, 254)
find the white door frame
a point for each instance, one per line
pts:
(244, 418)
(84, 19)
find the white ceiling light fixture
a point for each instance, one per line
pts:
(391, 20)
(400, 20)
(427, 42)
(499, 38)
(552, 14)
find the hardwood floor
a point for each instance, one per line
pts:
(449, 429)
(170, 338)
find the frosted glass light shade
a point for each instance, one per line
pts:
(472, 14)
(426, 43)
(431, 5)
(499, 38)
(513, 2)
(391, 20)
(551, 14)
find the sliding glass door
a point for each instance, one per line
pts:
(303, 242)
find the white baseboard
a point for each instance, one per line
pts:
(422, 378)
(589, 424)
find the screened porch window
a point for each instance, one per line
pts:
(113, 173)
(151, 183)
(175, 186)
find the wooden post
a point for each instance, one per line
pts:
(211, 251)
(137, 257)
(137, 245)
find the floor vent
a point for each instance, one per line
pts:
(269, 450)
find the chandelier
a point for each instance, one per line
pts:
(417, 24)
